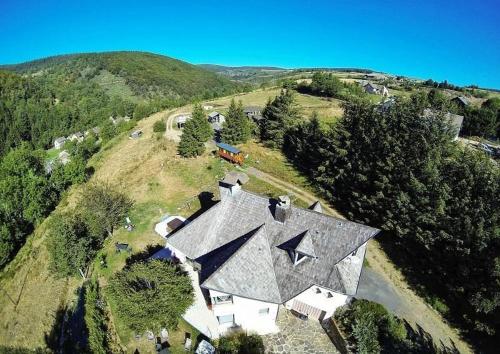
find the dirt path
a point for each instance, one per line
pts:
(170, 132)
(410, 306)
(300, 193)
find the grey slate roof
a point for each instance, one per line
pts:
(305, 245)
(462, 99)
(240, 247)
(455, 120)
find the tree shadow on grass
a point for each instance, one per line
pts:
(422, 342)
(143, 255)
(68, 333)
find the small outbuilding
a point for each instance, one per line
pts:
(122, 247)
(136, 134)
(216, 117)
(169, 224)
(181, 120)
(461, 101)
(230, 153)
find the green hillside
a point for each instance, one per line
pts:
(46, 98)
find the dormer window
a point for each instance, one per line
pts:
(299, 257)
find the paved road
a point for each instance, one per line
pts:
(373, 287)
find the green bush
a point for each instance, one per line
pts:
(241, 343)
(159, 126)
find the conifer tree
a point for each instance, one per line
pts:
(237, 128)
(279, 116)
(196, 132)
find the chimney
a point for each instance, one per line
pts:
(228, 190)
(283, 209)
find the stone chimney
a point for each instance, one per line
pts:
(228, 190)
(283, 209)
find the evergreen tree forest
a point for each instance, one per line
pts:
(437, 202)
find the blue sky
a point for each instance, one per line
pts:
(454, 40)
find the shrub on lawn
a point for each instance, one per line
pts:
(159, 126)
(241, 343)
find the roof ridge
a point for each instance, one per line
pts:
(311, 211)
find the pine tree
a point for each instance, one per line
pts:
(237, 128)
(196, 132)
(279, 116)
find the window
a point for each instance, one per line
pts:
(223, 299)
(225, 319)
(264, 311)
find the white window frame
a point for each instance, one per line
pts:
(226, 317)
(264, 311)
(222, 299)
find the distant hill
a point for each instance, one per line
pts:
(248, 74)
(55, 96)
(136, 75)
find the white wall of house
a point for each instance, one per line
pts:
(318, 297)
(176, 253)
(251, 315)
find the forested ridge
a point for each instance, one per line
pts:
(56, 96)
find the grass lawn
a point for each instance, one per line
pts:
(272, 162)
(328, 109)
(52, 153)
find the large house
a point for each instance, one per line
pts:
(250, 256)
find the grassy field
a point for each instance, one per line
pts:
(328, 109)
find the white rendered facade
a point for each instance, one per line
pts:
(231, 311)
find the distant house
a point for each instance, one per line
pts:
(64, 157)
(94, 130)
(461, 101)
(59, 142)
(230, 153)
(136, 134)
(117, 120)
(181, 120)
(216, 117)
(250, 256)
(253, 112)
(387, 104)
(168, 224)
(374, 89)
(455, 120)
(78, 137)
